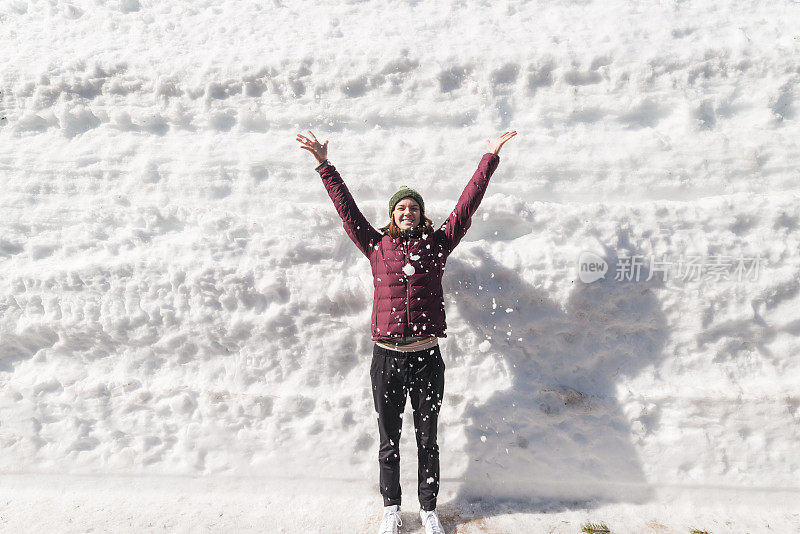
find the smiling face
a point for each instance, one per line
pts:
(406, 214)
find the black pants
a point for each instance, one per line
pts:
(420, 374)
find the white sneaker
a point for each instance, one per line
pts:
(391, 520)
(430, 520)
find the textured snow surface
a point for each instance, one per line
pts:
(179, 301)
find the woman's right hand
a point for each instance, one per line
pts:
(320, 151)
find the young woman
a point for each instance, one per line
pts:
(408, 258)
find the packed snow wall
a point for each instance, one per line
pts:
(177, 294)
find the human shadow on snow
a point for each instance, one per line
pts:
(557, 438)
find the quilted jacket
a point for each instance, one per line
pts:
(411, 302)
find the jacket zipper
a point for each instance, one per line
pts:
(408, 292)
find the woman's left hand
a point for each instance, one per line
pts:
(494, 146)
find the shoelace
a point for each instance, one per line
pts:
(390, 519)
(434, 524)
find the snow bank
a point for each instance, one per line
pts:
(177, 295)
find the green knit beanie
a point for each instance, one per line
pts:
(402, 193)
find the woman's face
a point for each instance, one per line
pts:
(406, 214)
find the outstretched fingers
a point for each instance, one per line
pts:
(305, 144)
(506, 136)
(316, 144)
(308, 145)
(317, 149)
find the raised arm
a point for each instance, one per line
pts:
(355, 224)
(459, 221)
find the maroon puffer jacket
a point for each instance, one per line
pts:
(408, 305)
